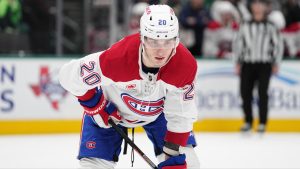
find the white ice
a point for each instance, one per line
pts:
(215, 150)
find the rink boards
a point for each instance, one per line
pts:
(32, 101)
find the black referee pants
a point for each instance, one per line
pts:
(253, 74)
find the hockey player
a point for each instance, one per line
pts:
(145, 79)
(220, 32)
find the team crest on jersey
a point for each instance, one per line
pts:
(90, 145)
(142, 107)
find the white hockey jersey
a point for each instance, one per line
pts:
(217, 41)
(139, 97)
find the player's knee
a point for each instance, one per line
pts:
(93, 163)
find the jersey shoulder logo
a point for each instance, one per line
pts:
(142, 107)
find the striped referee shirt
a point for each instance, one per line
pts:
(258, 42)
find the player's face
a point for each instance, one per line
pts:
(158, 51)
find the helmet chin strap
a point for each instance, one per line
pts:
(144, 53)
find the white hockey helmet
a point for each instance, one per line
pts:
(159, 22)
(277, 18)
(139, 8)
(219, 7)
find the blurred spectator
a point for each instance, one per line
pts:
(10, 15)
(195, 16)
(291, 33)
(291, 36)
(40, 23)
(223, 11)
(219, 34)
(291, 11)
(137, 11)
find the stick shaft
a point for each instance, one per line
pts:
(132, 144)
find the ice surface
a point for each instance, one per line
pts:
(215, 150)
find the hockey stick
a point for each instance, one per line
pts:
(131, 143)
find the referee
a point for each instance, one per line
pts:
(258, 49)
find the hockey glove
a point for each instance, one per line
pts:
(174, 162)
(100, 108)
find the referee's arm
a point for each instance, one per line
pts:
(239, 47)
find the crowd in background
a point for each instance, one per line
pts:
(26, 25)
(208, 27)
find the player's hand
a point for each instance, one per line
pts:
(174, 159)
(174, 162)
(101, 109)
